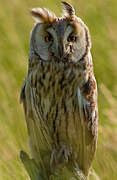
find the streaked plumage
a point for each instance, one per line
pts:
(59, 93)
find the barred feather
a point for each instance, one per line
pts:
(68, 11)
(43, 15)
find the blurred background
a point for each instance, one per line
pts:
(15, 26)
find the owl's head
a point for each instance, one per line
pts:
(65, 39)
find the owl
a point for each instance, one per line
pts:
(59, 94)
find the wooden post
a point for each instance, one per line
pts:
(61, 174)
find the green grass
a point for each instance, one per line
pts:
(15, 26)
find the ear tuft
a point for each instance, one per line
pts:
(42, 15)
(68, 11)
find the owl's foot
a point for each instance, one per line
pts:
(61, 155)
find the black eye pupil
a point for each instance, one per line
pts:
(71, 38)
(48, 38)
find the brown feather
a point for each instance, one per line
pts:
(43, 15)
(68, 11)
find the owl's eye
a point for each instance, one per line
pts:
(71, 38)
(48, 38)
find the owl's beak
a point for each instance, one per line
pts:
(60, 51)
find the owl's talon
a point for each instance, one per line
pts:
(53, 159)
(60, 156)
(64, 151)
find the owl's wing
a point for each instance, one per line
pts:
(22, 95)
(88, 111)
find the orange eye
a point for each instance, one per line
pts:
(71, 38)
(48, 38)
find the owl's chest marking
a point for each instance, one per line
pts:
(55, 85)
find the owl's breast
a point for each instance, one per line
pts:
(56, 78)
(55, 94)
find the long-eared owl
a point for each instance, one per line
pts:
(60, 92)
